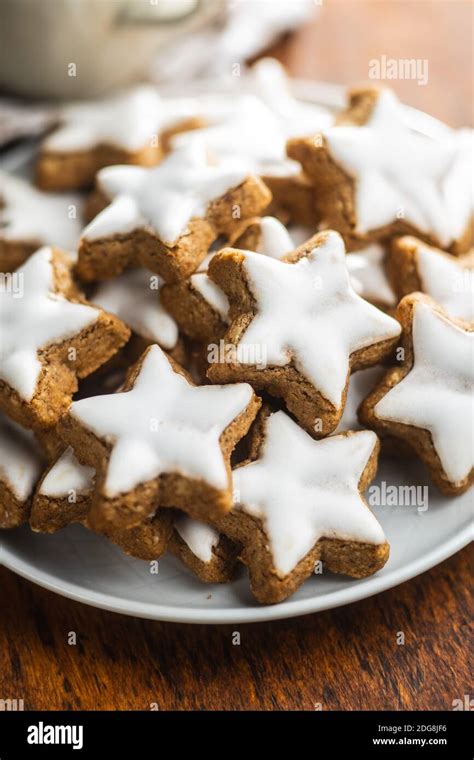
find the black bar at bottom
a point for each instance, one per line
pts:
(375, 734)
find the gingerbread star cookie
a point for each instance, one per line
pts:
(415, 266)
(376, 177)
(49, 336)
(210, 555)
(360, 385)
(166, 218)
(161, 441)
(427, 401)
(258, 119)
(302, 501)
(91, 135)
(368, 272)
(64, 496)
(30, 218)
(292, 191)
(198, 305)
(297, 328)
(367, 269)
(266, 235)
(20, 468)
(270, 82)
(134, 297)
(257, 129)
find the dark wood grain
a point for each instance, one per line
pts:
(341, 659)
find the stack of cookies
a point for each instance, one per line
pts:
(184, 297)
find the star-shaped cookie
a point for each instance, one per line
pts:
(166, 218)
(369, 277)
(201, 308)
(30, 218)
(262, 120)
(160, 441)
(91, 135)
(270, 82)
(134, 298)
(20, 468)
(427, 402)
(49, 337)
(64, 496)
(360, 385)
(208, 553)
(302, 501)
(449, 280)
(198, 305)
(367, 269)
(297, 328)
(376, 176)
(252, 134)
(257, 130)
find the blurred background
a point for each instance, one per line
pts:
(65, 49)
(338, 43)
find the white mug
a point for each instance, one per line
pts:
(82, 48)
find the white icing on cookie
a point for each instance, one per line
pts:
(446, 281)
(210, 108)
(165, 198)
(127, 121)
(67, 475)
(304, 490)
(28, 215)
(361, 383)
(20, 460)
(212, 294)
(34, 318)
(134, 298)
(262, 119)
(296, 117)
(309, 315)
(436, 395)
(252, 134)
(401, 174)
(162, 425)
(368, 276)
(199, 537)
(274, 242)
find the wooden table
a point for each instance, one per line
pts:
(347, 658)
(341, 659)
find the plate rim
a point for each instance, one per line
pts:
(288, 609)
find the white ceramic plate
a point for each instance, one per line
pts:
(89, 569)
(85, 567)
